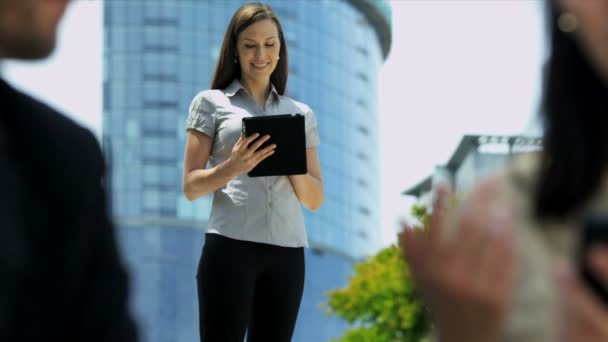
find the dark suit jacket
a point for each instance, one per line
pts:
(61, 277)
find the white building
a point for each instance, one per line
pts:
(475, 156)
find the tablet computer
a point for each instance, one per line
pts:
(287, 132)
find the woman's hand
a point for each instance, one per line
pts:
(466, 277)
(584, 316)
(199, 181)
(245, 154)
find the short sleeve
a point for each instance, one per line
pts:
(312, 134)
(201, 114)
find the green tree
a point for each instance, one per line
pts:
(380, 302)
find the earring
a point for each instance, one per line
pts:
(235, 60)
(567, 22)
(278, 58)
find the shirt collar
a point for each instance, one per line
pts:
(236, 85)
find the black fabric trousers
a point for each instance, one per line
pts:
(248, 287)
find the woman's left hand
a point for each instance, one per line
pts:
(584, 315)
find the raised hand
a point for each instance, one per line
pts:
(464, 267)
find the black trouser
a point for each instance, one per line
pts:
(248, 286)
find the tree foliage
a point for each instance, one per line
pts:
(380, 302)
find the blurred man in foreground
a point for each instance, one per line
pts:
(61, 275)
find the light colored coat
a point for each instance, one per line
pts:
(540, 245)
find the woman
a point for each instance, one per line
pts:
(502, 278)
(251, 274)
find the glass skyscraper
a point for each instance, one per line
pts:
(157, 55)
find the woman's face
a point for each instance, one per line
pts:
(592, 29)
(258, 49)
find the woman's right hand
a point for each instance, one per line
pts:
(245, 154)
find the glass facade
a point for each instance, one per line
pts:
(157, 56)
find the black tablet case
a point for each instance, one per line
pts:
(287, 132)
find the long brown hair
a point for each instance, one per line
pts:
(226, 69)
(575, 151)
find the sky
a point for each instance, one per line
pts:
(456, 67)
(70, 79)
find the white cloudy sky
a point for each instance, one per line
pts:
(70, 79)
(455, 67)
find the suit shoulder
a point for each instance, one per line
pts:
(51, 128)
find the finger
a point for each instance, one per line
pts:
(259, 157)
(443, 252)
(237, 144)
(250, 139)
(481, 200)
(598, 259)
(265, 150)
(495, 244)
(437, 219)
(581, 303)
(405, 227)
(439, 248)
(472, 238)
(256, 144)
(407, 241)
(412, 242)
(502, 264)
(480, 217)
